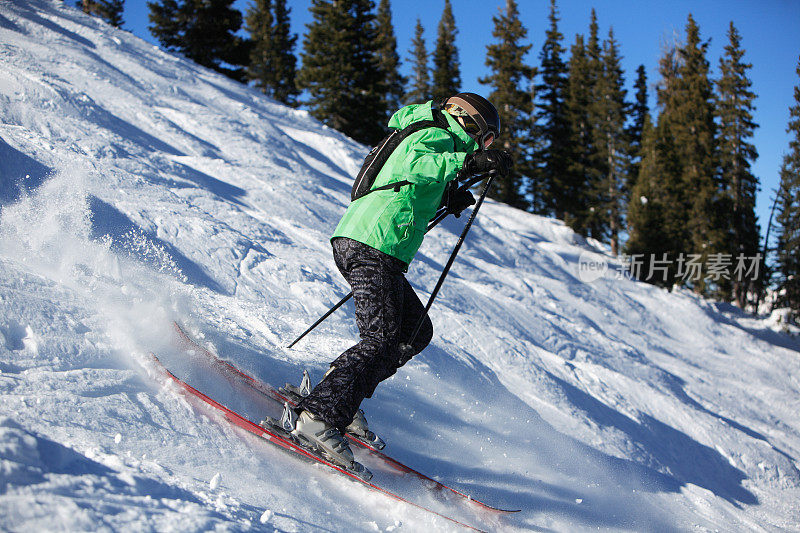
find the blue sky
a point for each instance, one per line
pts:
(769, 30)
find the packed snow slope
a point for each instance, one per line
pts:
(137, 188)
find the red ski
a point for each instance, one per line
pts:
(286, 444)
(189, 344)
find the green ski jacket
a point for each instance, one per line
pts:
(395, 222)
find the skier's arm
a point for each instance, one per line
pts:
(429, 157)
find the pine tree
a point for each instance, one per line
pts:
(552, 158)
(285, 90)
(326, 66)
(446, 67)
(259, 24)
(695, 139)
(272, 62)
(594, 70)
(578, 100)
(788, 261)
(639, 112)
(420, 90)
(684, 157)
(510, 80)
(580, 186)
(537, 190)
(203, 31)
(594, 206)
(612, 147)
(669, 159)
(388, 60)
(593, 49)
(596, 163)
(736, 209)
(650, 232)
(656, 212)
(686, 160)
(108, 10)
(340, 69)
(166, 23)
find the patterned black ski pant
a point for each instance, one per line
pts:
(387, 311)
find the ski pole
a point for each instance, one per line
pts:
(438, 217)
(452, 257)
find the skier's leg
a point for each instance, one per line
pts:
(413, 311)
(377, 282)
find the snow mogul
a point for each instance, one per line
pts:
(405, 180)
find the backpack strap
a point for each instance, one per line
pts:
(396, 137)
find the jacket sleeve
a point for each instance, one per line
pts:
(429, 156)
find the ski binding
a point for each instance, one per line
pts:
(285, 426)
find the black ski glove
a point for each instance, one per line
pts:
(460, 199)
(456, 198)
(486, 160)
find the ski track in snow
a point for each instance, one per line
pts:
(137, 188)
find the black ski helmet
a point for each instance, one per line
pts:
(479, 109)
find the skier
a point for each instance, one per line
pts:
(373, 245)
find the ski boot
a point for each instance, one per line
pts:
(357, 429)
(321, 438)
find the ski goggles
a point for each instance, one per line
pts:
(469, 125)
(487, 139)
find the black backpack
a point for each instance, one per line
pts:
(379, 154)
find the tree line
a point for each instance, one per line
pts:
(675, 183)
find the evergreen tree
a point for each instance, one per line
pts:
(510, 80)
(203, 31)
(388, 60)
(694, 131)
(259, 24)
(650, 225)
(552, 157)
(578, 100)
(108, 10)
(788, 261)
(420, 90)
(686, 159)
(736, 209)
(612, 147)
(446, 67)
(538, 195)
(340, 69)
(593, 49)
(285, 89)
(166, 23)
(594, 74)
(639, 112)
(667, 150)
(272, 62)
(580, 185)
(656, 213)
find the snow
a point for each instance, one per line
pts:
(266, 516)
(137, 188)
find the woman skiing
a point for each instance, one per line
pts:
(373, 245)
